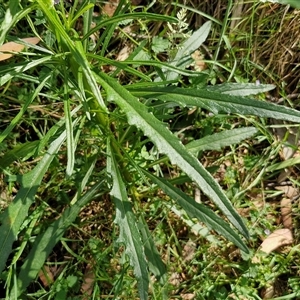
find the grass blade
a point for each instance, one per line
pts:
(130, 16)
(12, 15)
(168, 144)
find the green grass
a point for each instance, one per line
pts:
(140, 178)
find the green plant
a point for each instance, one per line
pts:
(120, 120)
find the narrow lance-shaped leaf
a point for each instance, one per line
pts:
(11, 16)
(156, 266)
(241, 89)
(200, 211)
(182, 58)
(15, 214)
(70, 138)
(15, 47)
(168, 144)
(129, 234)
(220, 139)
(217, 102)
(9, 72)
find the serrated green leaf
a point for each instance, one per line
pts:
(221, 139)
(129, 234)
(199, 211)
(159, 44)
(168, 144)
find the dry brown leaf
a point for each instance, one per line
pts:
(259, 204)
(268, 293)
(198, 58)
(14, 47)
(286, 212)
(278, 238)
(175, 279)
(243, 212)
(110, 7)
(188, 251)
(284, 174)
(235, 297)
(46, 276)
(88, 282)
(289, 191)
(189, 296)
(123, 54)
